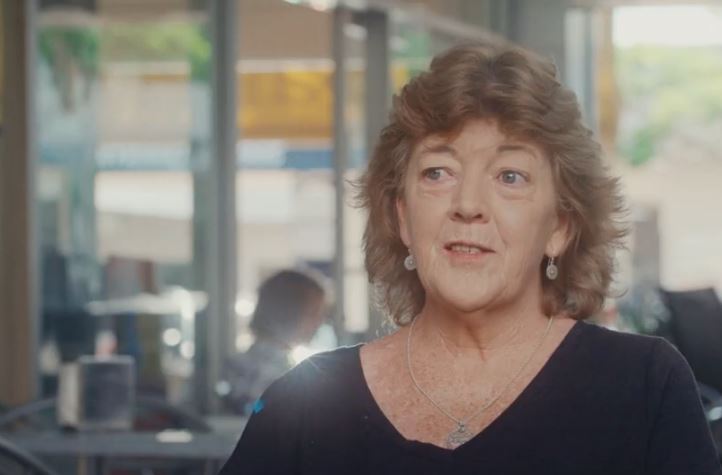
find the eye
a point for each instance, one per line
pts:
(512, 177)
(435, 173)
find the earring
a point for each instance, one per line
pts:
(552, 270)
(410, 262)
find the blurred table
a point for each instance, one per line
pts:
(227, 424)
(95, 449)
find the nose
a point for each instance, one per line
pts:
(470, 201)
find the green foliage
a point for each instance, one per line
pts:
(672, 86)
(128, 42)
(65, 50)
(163, 42)
(640, 147)
(79, 44)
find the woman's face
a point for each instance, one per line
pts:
(478, 213)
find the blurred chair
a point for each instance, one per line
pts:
(696, 328)
(151, 415)
(34, 416)
(14, 460)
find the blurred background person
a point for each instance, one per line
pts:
(291, 308)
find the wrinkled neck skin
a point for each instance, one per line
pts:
(482, 333)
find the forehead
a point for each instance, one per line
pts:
(478, 136)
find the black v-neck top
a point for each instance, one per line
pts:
(605, 403)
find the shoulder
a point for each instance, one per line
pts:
(315, 376)
(618, 345)
(602, 336)
(318, 381)
(296, 411)
(327, 364)
(647, 382)
(627, 354)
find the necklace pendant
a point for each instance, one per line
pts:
(458, 437)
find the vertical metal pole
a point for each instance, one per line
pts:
(226, 130)
(33, 226)
(341, 16)
(19, 296)
(223, 163)
(378, 95)
(590, 61)
(540, 27)
(377, 75)
(580, 60)
(215, 215)
(499, 17)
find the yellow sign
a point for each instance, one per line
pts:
(289, 104)
(298, 104)
(294, 104)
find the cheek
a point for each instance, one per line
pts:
(524, 230)
(426, 217)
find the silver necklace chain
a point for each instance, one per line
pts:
(460, 435)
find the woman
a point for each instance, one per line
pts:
(491, 232)
(290, 309)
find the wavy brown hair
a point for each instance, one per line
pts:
(521, 92)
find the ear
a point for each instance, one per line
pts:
(403, 222)
(561, 235)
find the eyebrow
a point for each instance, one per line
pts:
(445, 148)
(439, 148)
(515, 147)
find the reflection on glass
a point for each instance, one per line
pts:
(123, 109)
(356, 297)
(285, 188)
(665, 104)
(412, 47)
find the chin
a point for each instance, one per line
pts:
(466, 300)
(469, 306)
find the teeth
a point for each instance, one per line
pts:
(466, 249)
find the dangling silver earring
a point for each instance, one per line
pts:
(552, 270)
(410, 262)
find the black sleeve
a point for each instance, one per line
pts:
(680, 441)
(270, 441)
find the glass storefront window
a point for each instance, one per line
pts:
(413, 46)
(123, 105)
(285, 187)
(356, 292)
(124, 178)
(661, 112)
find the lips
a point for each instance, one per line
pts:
(466, 247)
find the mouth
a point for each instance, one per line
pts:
(466, 249)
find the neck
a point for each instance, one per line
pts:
(484, 331)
